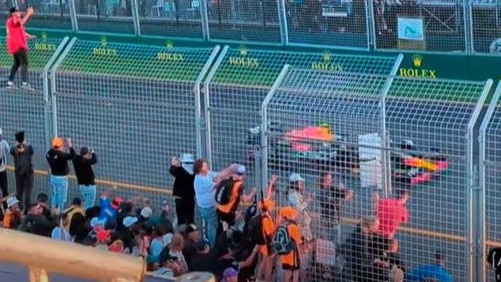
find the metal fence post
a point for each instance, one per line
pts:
(482, 183)
(371, 25)
(73, 15)
(135, 17)
(207, 109)
(282, 19)
(264, 126)
(468, 26)
(53, 89)
(46, 89)
(204, 16)
(199, 120)
(385, 158)
(473, 235)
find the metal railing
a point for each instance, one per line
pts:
(436, 26)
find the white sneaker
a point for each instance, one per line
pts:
(10, 84)
(27, 86)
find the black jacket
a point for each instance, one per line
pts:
(39, 225)
(183, 183)
(58, 161)
(83, 169)
(22, 160)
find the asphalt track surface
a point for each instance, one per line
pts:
(136, 137)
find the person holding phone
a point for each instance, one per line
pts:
(86, 178)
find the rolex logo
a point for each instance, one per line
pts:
(104, 41)
(417, 60)
(169, 44)
(243, 50)
(327, 57)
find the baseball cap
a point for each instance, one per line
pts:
(12, 201)
(288, 213)
(84, 151)
(57, 142)
(103, 235)
(295, 177)
(117, 201)
(129, 221)
(230, 272)
(76, 201)
(96, 221)
(146, 212)
(186, 158)
(240, 170)
(165, 203)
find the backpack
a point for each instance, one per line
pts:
(254, 229)
(223, 192)
(281, 243)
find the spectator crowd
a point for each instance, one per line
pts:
(244, 235)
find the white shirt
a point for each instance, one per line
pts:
(4, 151)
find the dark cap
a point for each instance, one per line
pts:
(77, 201)
(84, 151)
(13, 10)
(19, 136)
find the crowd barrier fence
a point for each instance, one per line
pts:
(138, 106)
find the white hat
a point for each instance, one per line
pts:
(187, 158)
(129, 221)
(295, 177)
(409, 143)
(146, 212)
(96, 221)
(11, 200)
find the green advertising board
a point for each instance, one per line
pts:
(40, 51)
(253, 67)
(141, 61)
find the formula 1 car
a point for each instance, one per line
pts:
(311, 146)
(412, 167)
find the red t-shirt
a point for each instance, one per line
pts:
(391, 213)
(16, 37)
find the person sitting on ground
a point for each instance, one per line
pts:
(435, 270)
(13, 215)
(37, 223)
(230, 274)
(43, 202)
(169, 265)
(109, 207)
(61, 232)
(194, 244)
(76, 207)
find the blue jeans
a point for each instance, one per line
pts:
(59, 185)
(210, 221)
(88, 195)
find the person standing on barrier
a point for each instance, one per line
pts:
(183, 190)
(58, 162)
(4, 151)
(22, 153)
(85, 175)
(17, 45)
(205, 189)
